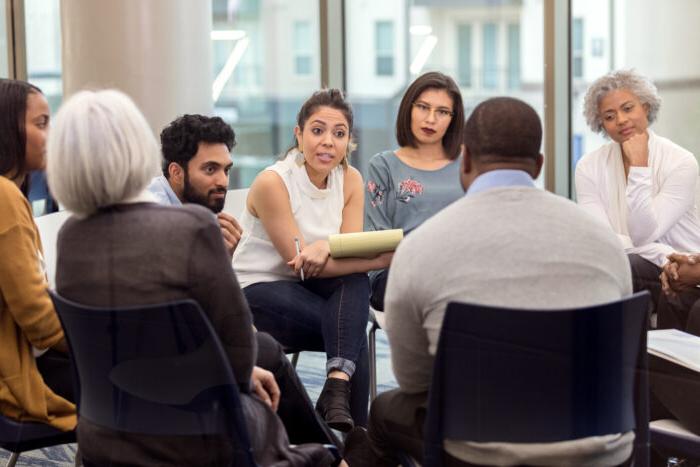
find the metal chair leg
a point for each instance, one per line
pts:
(373, 361)
(13, 460)
(295, 359)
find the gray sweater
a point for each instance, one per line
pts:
(517, 247)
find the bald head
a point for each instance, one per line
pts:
(503, 129)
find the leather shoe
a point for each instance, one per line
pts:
(334, 404)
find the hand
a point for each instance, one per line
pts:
(231, 231)
(312, 259)
(681, 272)
(265, 387)
(636, 150)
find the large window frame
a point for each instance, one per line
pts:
(557, 65)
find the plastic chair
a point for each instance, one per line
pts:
(539, 376)
(18, 437)
(157, 370)
(376, 318)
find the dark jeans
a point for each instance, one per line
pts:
(295, 409)
(322, 315)
(645, 276)
(55, 369)
(378, 286)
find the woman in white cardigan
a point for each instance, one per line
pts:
(641, 184)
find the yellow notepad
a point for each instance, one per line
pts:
(364, 244)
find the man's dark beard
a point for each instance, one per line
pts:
(192, 196)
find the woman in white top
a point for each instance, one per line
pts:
(305, 299)
(641, 184)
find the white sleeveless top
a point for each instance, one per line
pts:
(317, 212)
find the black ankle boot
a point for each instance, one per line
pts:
(334, 404)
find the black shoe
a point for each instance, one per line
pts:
(334, 404)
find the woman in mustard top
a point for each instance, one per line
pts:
(35, 382)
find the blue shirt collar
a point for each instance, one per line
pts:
(498, 179)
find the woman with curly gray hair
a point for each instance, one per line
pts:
(641, 184)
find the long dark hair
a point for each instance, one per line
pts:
(13, 134)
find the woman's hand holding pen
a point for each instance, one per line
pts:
(311, 260)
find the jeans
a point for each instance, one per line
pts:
(321, 315)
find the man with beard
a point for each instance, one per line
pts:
(197, 160)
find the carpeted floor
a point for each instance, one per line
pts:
(310, 367)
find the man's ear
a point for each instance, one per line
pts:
(539, 163)
(466, 160)
(297, 135)
(176, 174)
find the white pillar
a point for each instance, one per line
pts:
(156, 51)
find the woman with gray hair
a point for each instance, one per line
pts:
(641, 184)
(101, 157)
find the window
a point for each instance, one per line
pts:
(302, 48)
(464, 55)
(262, 75)
(4, 65)
(384, 37)
(513, 56)
(490, 56)
(577, 48)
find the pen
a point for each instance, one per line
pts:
(296, 246)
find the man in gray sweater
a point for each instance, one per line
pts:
(506, 243)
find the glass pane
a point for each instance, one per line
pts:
(490, 54)
(623, 35)
(385, 48)
(464, 55)
(513, 56)
(441, 35)
(4, 66)
(259, 85)
(43, 31)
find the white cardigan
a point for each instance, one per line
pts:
(661, 214)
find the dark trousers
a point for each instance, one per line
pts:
(396, 422)
(295, 409)
(645, 276)
(680, 312)
(55, 369)
(321, 315)
(378, 290)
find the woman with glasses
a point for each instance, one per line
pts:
(407, 185)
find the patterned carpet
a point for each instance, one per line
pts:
(311, 370)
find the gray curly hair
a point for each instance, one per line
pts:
(630, 80)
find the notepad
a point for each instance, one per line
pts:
(676, 346)
(364, 244)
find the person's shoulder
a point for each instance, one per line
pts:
(13, 204)
(352, 176)
(674, 149)
(383, 159)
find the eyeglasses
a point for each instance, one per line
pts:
(424, 110)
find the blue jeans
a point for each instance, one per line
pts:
(321, 315)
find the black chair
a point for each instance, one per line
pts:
(539, 376)
(18, 437)
(157, 370)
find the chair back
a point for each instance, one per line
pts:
(157, 369)
(538, 376)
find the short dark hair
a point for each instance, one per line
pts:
(432, 80)
(503, 128)
(327, 97)
(180, 139)
(13, 134)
